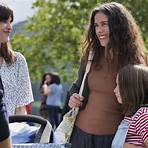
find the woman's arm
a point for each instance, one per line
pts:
(20, 110)
(128, 145)
(6, 143)
(24, 94)
(146, 143)
(46, 89)
(75, 86)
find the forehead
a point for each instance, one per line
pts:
(99, 17)
(47, 76)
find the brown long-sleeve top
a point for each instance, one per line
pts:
(102, 113)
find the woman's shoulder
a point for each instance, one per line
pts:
(19, 57)
(53, 85)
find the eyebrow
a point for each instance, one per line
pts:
(101, 22)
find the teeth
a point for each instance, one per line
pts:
(102, 37)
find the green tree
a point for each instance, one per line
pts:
(54, 34)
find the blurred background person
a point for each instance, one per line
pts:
(54, 100)
(45, 82)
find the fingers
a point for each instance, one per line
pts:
(75, 100)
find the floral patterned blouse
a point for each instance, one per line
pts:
(16, 83)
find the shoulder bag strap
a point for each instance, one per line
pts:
(89, 62)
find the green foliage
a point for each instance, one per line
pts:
(52, 37)
(139, 9)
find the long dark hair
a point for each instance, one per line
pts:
(5, 50)
(133, 87)
(125, 45)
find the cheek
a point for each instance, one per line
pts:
(108, 32)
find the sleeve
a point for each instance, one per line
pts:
(142, 125)
(77, 83)
(24, 93)
(75, 86)
(53, 88)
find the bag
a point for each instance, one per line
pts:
(63, 132)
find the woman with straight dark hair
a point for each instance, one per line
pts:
(13, 69)
(132, 92)
(115, 40)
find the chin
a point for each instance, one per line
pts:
(103, 44)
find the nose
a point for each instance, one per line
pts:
(9, 26)
(99, 29)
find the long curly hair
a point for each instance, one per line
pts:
(125, 45)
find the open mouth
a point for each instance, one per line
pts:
(102, 37)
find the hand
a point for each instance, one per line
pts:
(128, 145)
(45, 82)
(20, 110)
(6, 143)
(75, 100)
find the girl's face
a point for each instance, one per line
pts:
(117, 92)
(5, 30)
(102, 28)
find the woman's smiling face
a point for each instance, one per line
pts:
(102, 28)
(5, 30)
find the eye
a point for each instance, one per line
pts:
(3, 21)
(96, 25)
(104, 23)
(6, 21)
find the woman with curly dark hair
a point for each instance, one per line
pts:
(115, 39)
(45, 82)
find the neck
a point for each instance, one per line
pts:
(105, 52)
